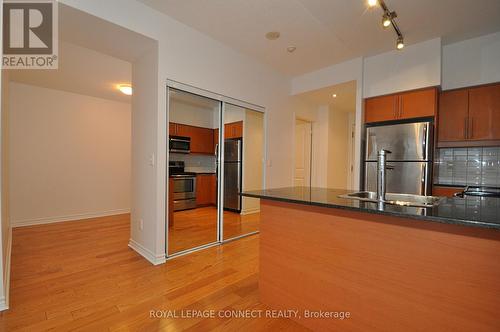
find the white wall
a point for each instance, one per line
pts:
(415, 66)
(253, 156)
(338, 149)
(192, 115)
(471, 62)
(188, 56)
(69, 155)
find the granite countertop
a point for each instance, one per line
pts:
(471, 211)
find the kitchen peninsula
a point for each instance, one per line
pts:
(392, 267)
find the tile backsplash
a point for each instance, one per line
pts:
(468, 166)
(196, 162)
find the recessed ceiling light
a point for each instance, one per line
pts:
(334, 95)
(272, 35)
(291, 49)
(125, 89)
(372, 3)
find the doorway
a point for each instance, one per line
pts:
(215, 151)
(303, 153)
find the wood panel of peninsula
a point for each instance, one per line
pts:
(391, 274)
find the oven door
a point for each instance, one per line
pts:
(184, 187)
(180, 144)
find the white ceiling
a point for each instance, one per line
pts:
(326, 32)
(344, 102)
(82, 71)
(94, 57)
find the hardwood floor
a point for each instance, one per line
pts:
(193, 228)
(80, 275)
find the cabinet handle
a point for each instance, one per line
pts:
(471, 133)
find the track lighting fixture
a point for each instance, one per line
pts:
(400, 43)
(388, 20)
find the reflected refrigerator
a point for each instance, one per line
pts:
(232, 174)
(410, 160)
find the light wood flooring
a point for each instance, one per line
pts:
(196, 227)
(80, 275)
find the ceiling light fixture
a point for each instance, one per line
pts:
(400, 43)
(334, 95)
(291, 49)
(388, 19)
(272, 35)
(125, 89)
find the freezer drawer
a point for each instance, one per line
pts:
(407, 142)
(405, 178)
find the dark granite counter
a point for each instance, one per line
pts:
(471, 211)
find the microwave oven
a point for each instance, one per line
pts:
(179, 144)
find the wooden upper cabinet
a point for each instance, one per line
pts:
(202, 140)
(417, 104)
(470, 117)
(172, 129)
(484, 113)
(453, 115)
(233, 130)
(406, 105)
(381, 108)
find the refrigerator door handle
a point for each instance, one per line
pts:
(423, 188)
(424, 141)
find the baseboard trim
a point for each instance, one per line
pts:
(146, 253)
(4, 301)
(51, 220)
(251, 211)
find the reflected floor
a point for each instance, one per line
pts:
(193, 228)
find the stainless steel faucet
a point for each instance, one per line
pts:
(381, 176)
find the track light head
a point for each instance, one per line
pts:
(372, 3)
(400, 43)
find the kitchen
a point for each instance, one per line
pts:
(194, 212)
(402, 248)
(418, 251)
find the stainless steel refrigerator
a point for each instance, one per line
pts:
(232, 174)
(410, 160)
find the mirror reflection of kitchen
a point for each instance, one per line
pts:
(243, 169)
(192, 206)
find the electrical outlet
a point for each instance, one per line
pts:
(141, 224)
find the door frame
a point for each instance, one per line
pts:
(294, 147)
(223, 100)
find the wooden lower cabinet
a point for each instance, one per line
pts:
(205, 189)
(446, 191)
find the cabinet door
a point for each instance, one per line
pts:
(417, 104)
(183, 130)
(381, 108)
(237, 128)
(484, 112)
(202, 140)
(453, 115)
(170, 202)
(203, 189)
(172, 129)
(213, 189)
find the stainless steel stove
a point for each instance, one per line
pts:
(184, 186)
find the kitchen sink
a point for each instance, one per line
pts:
(395, 199)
